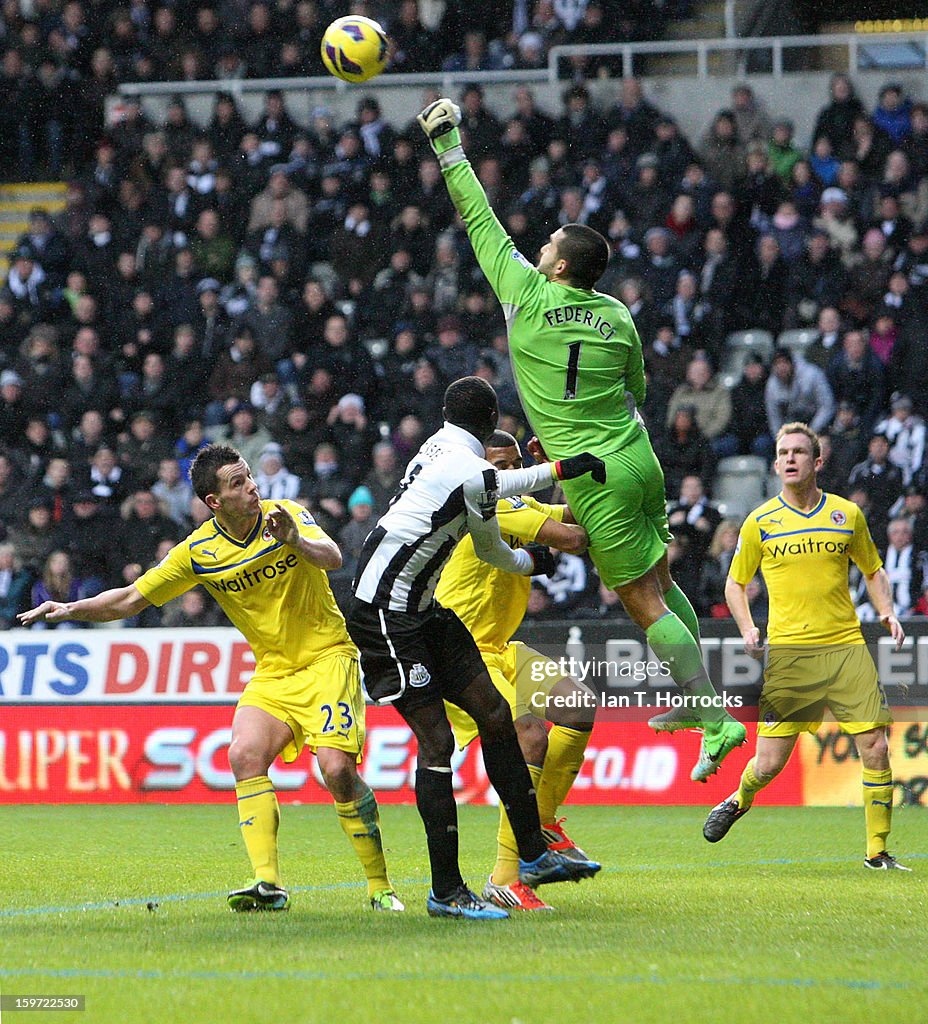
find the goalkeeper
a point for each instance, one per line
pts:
(578, 365)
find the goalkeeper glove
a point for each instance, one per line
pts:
(578, 465)
(543, 561)
(440, 122)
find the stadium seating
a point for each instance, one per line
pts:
(740, 344)
(797, 340)
(748, 489)
(743, 465)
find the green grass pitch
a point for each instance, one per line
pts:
(778, 923)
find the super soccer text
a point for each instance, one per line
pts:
(563, 315)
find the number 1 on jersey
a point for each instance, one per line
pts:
(573, 365)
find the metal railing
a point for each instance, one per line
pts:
(701, 49)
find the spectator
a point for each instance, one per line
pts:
(274, 480)
(868, 277)
(848, 444)
(715, 568)
(328, 489)
(453, 355)
(816, 281)
(354, 533)
(856, 375)
(58, 583)
(765, 301)
(14, 586)
(783, 154)
(244, 434)
(684, 451)
(827, 343)
(144, 449)
(836, 221)
(722, 151)
(696, 513)
(905, 566)
(751, 118)
(747, 396)
(279, 189)
(797, 390)
(34, 539)
(383, 479)
(836, 121)
(711, 402)
(905, 433)
(173, 492)
(566, 585)
(192, 610)
(880, 480)
(235, 373)
(893, 113)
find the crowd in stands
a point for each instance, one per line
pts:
(306, 293)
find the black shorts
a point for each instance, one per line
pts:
(413, 660)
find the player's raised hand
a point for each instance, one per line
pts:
(536, 450)
(439, 118)
(440, 121)
(895, 629)
(47, 611)
(753, 645)
(281, 525)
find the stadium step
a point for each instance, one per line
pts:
(16, 200)
(707, 21)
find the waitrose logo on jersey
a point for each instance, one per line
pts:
(810, 546)
(245, 579)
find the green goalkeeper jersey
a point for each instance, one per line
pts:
(575, 353)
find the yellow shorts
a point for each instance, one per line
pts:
(322, 704)
(801, 682)
(518, 673)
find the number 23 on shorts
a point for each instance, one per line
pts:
(338, 718)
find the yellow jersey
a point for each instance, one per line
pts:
(804, 560)
(489, 601)
(281, 604)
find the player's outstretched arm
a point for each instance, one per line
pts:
(510, 482)
(737, 600)
(511, 276)
(881, 597)
(320, 551)
(109, 606)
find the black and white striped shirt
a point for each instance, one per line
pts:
(448, 490)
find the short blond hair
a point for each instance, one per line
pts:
(802, 428)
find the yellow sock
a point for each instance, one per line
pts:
(750, 786)
(258, 820)
(878, 808)
(360, 821)
(506, 869)
(563, 762)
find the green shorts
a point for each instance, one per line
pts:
(626, 517)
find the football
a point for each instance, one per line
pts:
(355, 49)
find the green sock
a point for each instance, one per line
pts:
(680, 605)
(672, 642)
